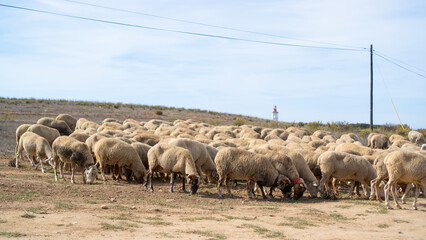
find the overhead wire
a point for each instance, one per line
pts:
(397, 60)
(399, 65)
(208, 25)
(178, 31)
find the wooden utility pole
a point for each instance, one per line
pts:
(371, 87)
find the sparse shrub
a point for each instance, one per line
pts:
(214, 122)
(364, 132)
(239, 122)
(403, 131)
(117, 105)
(315, 125)
(159, 112)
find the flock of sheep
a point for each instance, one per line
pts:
(291, 160)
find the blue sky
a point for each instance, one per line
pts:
(53, 57)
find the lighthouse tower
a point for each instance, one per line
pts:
(275, 114)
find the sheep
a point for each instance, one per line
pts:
(47, 132)
(238, 164)
(112, 151)
(285, 166)
(311, 159)
(34, 146)
(111, 120)
(423, 148)
(354, 148)
(396, 137)
(347, 167)
(203, 162)
(172, 159)
(301, 166)
(321, 133)
(147, 138)
(404, 166)
(69, 150)
(416, 137)
(70, 120)
(142, 150)
(379, 141)
(19, 131)
(82, 137)
(59, 125)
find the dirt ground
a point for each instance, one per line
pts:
(34, 206)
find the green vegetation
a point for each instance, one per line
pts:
(210, 235)
(23, 195)
(378, 207)
(12, 234)
(120, 207)
(26, 215)
(383, 226)
(159, 112)
(340, 217)
(297, 222)
(263, 231)
(240, 218)
(64, 205)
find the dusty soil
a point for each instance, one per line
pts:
(34, 206)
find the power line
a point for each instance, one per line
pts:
(396, 60)
(177, 31)
(399, 65)
(209, 25)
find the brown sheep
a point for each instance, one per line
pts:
(69, 150)
(47, 132)
(59, 125)
(70, 120)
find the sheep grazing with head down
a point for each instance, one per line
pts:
(34, 146)
(19, 131)
(203, 162)
(59, 125)
(404, 166)
(285, 166)
(112, 151)
(172, 159)
(69, 150)
(238, 164)
(346, 167)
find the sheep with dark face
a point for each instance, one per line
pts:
(69, 150)
(172, 159)
(238, 164)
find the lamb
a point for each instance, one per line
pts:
(238, 164)
(69, 150)
(47, 132)
(34, 146)
(404, 166)
(301, 166)
(347, 167)
(70, 120)
(285, 166)
(173, 159)
(112, 151)
(203, 161)
(416, 137)
(59, 125)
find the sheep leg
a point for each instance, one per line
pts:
(393, 190)
(416, 196)
(324, 184)
(373, 189)
(61, 170)
(55, 167)
(41, 163)
(407, 190)
(83, 174)
(387, 188)
(250, 187)
(262, 191)
(219, 185)
(351, 191)
(29, 158)
(228, 186)
(172, 181)
(150, 181)
(72, 172)
(183, 185)
(333, 184)
(102, 172)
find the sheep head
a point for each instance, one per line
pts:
(284, 184)
(91, 173)
(313, 188)
(193, 183)
(299, 189)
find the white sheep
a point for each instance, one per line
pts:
(172, 159)
(238, 164)
(47, 132)
(59, 125)
(112, 151)
(404, 166)
(35, 147)
(19, 131)
(346, 167)
(70, 120)
(416, 137)
(69, 150)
